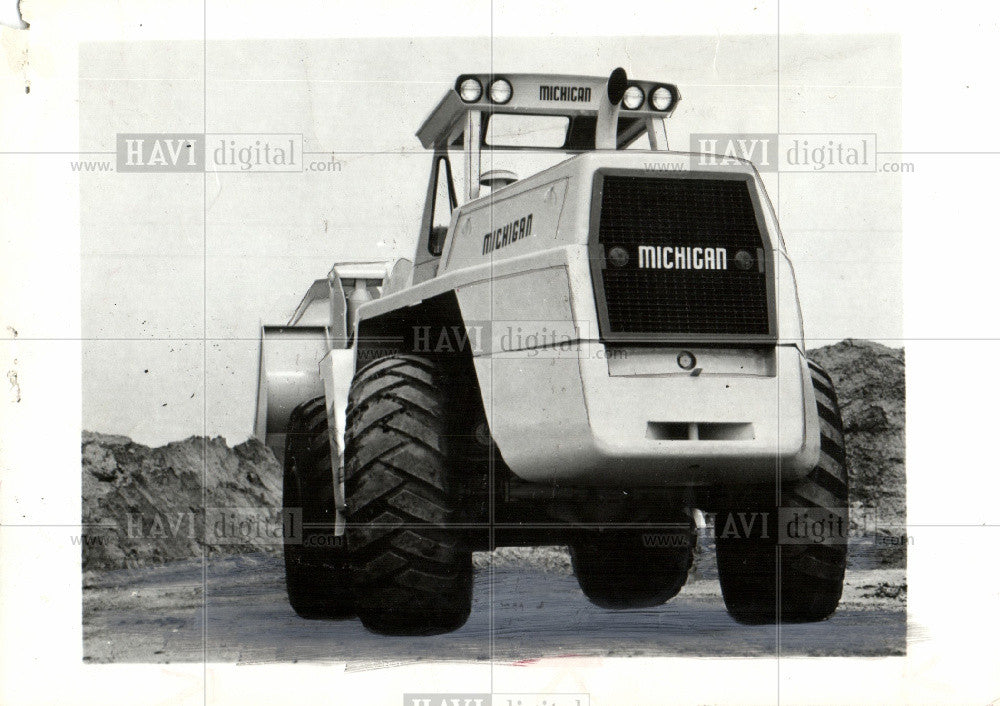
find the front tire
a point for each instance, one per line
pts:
(768, 577)
(315, 567)
(410, 570)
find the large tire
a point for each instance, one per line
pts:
(315, 568)
(634, 568)
(410, 570)
(811, 574)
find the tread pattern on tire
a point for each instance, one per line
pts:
(315, 568)
(410, 572)
(811, 575)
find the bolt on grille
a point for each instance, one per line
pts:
(681, 255)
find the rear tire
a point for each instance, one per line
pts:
(410, 570)
(315, 569)
(634, 568)
(811, 574)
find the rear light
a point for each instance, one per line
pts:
(633, 97)
(470, 90)
(500, 91)
(618, 257)
(743, 260)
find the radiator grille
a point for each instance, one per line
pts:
(666, 216)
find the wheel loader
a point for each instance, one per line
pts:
(595, 355)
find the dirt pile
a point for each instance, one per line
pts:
(145, 506)
(871, 387)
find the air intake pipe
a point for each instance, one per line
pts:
(606, 132)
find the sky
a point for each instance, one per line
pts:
(180, 270)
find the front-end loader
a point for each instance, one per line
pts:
(590, 355)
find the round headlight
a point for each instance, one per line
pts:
(500, 91)
(661, 98)
(744, 260)
(618, 256)
(470, 90)
(686, 360)
(633, 97)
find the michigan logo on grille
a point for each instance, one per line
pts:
(667, 257)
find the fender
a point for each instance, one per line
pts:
(417, 327)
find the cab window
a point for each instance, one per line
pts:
(518, 130)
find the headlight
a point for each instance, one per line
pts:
(633, 97)
(661, 98)
(470, 90)
(500, 91)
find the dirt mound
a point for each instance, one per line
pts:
(871, 387)
(145, 506)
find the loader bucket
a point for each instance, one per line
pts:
(288, 376)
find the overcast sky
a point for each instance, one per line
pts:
(175, 285)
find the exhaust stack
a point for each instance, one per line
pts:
(606, 132)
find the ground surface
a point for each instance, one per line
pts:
(156, 615)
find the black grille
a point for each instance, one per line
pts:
(681, 213)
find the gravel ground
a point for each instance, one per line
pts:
(157, 615)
